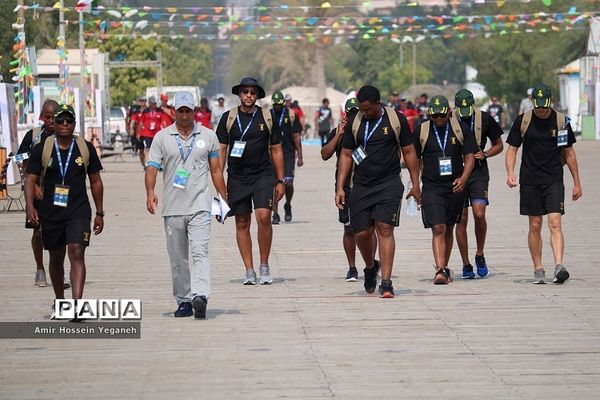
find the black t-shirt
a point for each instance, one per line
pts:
(383, 160)
(78, 205)
(432, 152)
(288, 130)
(496, 111)
(489, 130)
(338, 150)
(256, 159)
(541, 159)
(324, 118)
(28, 140)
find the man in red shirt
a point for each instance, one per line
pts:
(152, 120)
(203, 114)
(411, 114)
(166, 109)
(134, 130)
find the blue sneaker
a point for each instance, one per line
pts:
(482, 268)
(184, 310)
(468, 272)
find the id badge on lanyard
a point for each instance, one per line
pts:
(238, 149)
(445, 166)
(562, 138)
(181, 178)
(359, 155)
(61, 195)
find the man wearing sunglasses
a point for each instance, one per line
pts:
(547, 139)
(251, 145)
(484, 128)
(64, 213)
(445, 147)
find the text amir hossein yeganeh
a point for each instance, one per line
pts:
(86, 330)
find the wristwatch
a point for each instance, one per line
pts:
(281, 181)
(99, 213)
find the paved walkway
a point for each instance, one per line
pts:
(311, 334)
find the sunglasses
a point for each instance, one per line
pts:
(61, 120)
(436, 116)
(249, 91)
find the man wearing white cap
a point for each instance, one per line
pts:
(186, 152)
(218, 110)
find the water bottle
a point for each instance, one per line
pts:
(411, 203)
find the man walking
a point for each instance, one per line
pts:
(291, 132)
(251, 144)
(373, 139)
(186, 152)
(323, 120)
(547, 140)
(60, 163)
(443, 144)
(484, 127)
(151, 121)
(30, 140)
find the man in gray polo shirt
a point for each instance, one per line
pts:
(186, 152)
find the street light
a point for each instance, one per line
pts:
(414, 41)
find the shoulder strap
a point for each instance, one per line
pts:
(478, 125)
(525, 122)
(394, 121)
(561, 120)
(424, 133)
(35, 136)
(455, 125)
(356, 125)
(46, 155)
(233, 112)
(268, 117)
(84, 151)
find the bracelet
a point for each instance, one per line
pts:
(99, 213)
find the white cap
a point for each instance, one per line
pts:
(287, 96)
(529, 91)
(220, 96)
(184, 99)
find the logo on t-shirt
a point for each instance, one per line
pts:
(79, 161)
(261, 127)
(385, 130)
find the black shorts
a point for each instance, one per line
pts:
(289, 165)
(344, 217)
(144, 143)
(476, 189)
(241, 194)
(375, 203)
(542, 199)
(58, 234)
(441, 206)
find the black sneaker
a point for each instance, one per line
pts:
(386, 290)
(184, 310)
(199, 306)
(288, 212)
(352, 275)
(371, 278)
(276, 219)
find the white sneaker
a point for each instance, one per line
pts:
(40, 278)
(250, 277)
(265, 275)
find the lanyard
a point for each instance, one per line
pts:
(63, 167)
(185, 156)
(280, 117)
(243, 131)
(368, 133)
(437, 136)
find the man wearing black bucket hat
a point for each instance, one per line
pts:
(547, 140)
(251, 144)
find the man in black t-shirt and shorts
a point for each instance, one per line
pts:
(445, 147)
(547, 139)
(251, 144)
(484, 127)
(61, 163)
(374, 144)
(291, 132)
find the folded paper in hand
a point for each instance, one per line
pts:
(219, 208)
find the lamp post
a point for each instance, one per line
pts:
(414, 41)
